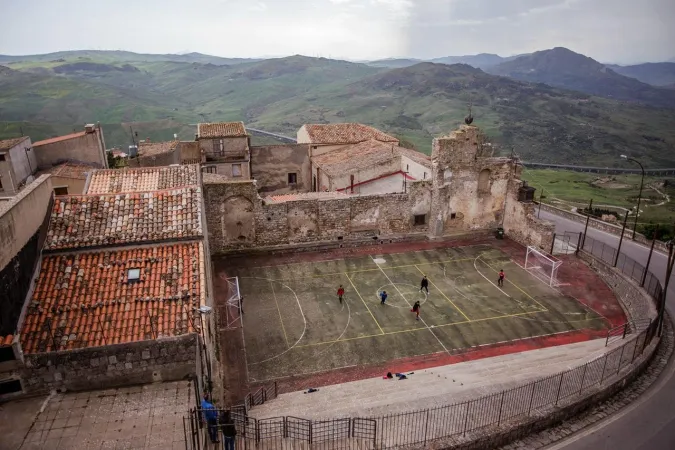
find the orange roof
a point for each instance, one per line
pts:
(86, 299)
(7, 144)
(59, 138)
(345, 133)
(6, 341)
(356, 157)
(70, 170)
(221, 130)
(156, 148)
(305, 196)
(108, 181)
(79, 221)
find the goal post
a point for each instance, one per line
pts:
(543, 266)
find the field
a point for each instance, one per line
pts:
(294, 324)
(568, 189)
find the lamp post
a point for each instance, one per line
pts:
(637, 212)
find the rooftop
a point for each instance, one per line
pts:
(59, 138)
(113, 219)
(87, 300)
(221, 130)
(156, 148)
(305, 196)
(9, 143)
(356, 157)
(70, 170)
(345, 133)
(107, 181)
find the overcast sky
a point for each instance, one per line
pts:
(621, 31)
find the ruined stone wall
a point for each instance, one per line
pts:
(271, 164)
(521, 223)
(231, 147)
(237, 218)
(165, 359)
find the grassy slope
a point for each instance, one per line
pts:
(416, 103)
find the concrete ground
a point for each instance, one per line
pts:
(139, 417)
(294, 326)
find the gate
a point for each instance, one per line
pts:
(565, 243)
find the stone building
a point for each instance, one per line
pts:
(17, 164)
(87, 146)
(121, 293)
(225, 148)
(68, 178)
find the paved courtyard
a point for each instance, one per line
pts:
(139, 417)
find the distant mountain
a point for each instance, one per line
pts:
(564, 68)
(482, 60)
(394, 63)
(656, 74)
(103, 56)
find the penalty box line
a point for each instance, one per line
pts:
(514, 284)
(412, 330)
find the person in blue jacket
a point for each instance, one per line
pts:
(210, 414)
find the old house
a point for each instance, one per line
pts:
(68, 178)
(17, 164)
(87, 146)
(225, 148)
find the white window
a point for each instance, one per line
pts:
(133, 275)
(236, 170)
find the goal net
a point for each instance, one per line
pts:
(543, 266)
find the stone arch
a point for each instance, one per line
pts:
(484, 181)
(237, 220)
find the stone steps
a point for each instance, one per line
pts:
(430, 387)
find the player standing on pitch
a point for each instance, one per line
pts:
(424, 284)
(500, 280)
(340, 293)
(416, 309)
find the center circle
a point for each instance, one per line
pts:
(411, 293)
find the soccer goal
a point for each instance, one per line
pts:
(543, 266)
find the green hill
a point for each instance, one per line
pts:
(158, 98)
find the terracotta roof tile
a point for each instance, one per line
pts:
(356, 157)
(59, 138)
(86, 300)
(107, 181)
(113, 219)
(70, 170)
(416, 156)
(345, 133)
(305, 196)
(9, 143)
(6, 341)
(221, 130)
(156, 148)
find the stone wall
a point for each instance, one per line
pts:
(88, 148)
(521, 223)
(160, 159)
(165, 359)
(232, 148)
(237, 218)
(604, 226)
(271, 164)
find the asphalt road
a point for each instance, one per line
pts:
(649, 423)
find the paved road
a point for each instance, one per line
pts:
(649, 423)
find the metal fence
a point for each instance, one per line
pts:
(423, 427)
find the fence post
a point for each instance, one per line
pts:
(583, 377)
(618, 250)
(426, 428)
(529, 409)
(552, 244)
(466, 419)
(501, 406)
(310, 432)
(618, 366)
(649, 259)
(578, 244)
(557, 397)
(603, 369)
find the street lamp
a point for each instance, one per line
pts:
(637, 212)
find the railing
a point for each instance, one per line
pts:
(621, 331)
(424, 427)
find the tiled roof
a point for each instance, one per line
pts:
(305, 196)
(6, 341)
(59, 138)
(221, 130)
(9, 143)
(345, 133)
(356, 157)
(112, 219)
(86, 300)
(416, 156)
(107, 181)
(70, 170)
(156, 148)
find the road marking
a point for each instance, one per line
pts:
(283, 328)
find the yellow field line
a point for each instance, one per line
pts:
(514, 284)
(283, 328)
(364, 304)
(505, 316)
(445, 296)
(368, 270)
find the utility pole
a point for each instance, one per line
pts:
(642, 180)
(588, 217)
(623, 229)
(664, 294)
(649, 258)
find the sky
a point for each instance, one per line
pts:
(611, 31)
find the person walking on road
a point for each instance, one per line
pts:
(340, 293)
(424, 284)
(383, 297)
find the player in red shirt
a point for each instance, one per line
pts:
(340, 293)
(500, 280)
